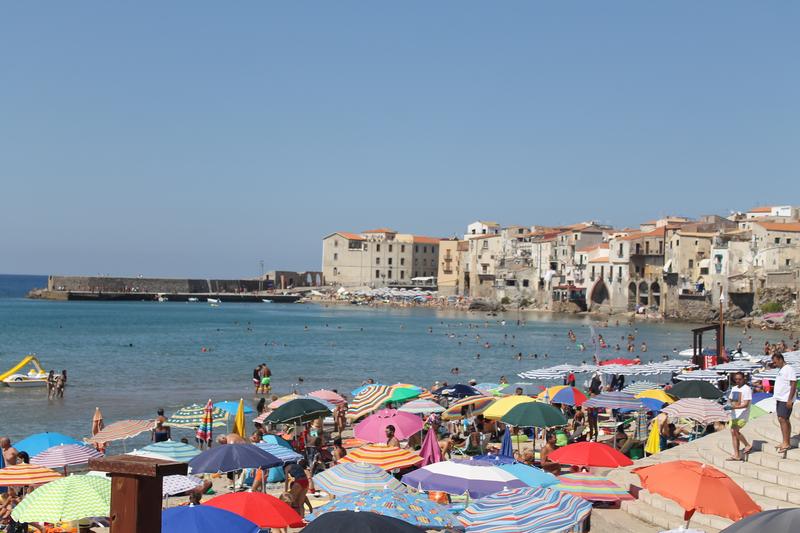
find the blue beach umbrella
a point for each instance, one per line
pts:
(287, 455)
(230, 457)
(506, 448)
(204, 518)
(495, 460)
(758, 396)
(231, 407)
(275, 439)
(39, 442)
(530, 475)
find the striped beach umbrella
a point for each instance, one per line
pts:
(69, 498)
(562, 394)
(65, 455)
(368, 399)
(205, 429)
(328, 396)
(613, 400)
(540, 510)
(192, 416)
(592, 488)
(177, 451)
(177, 484)
(124, 429)
(640, 386)
(274, 404)
(24, 474)
(346, 478)
(503, 405)
(386, 457)
(476, 405)
(476, 478)
(701, 375)
(697, 409)
(421, 407)
(415, 509)
(287, 455)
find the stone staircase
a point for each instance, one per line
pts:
(771, 480)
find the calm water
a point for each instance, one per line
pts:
(130, 358)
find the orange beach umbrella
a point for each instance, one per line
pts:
(698, 487)
(25, 474)
(385, 457)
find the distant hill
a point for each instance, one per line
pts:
(18, 285)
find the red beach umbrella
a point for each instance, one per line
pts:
(619, 361)
(262, 509)
(590, 454)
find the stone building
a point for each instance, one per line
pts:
(450, 278)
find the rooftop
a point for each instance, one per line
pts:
(761, 209)
(379, 230)
(793, 227)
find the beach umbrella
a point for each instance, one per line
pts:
(262, 509)
(640, 386)
(563, 394)
(700, 375)
(415, 509)
(619, 361)
(534, 414)
(386, 457)
(346, 478)
(287, 455)
(503, 405)
(651, 404)
(39, 442)
(697, 487)
(238, 421)
(202, 519)
(590, 454)
(175, 451)
(373, 428)
(69, 498)
(328, 396)
(368, 399)
(403, 393)
(151, 455)
(543, 374)
(178, 484)
(421, 407)
(205, 429)
(695, 389)
(767, 521)
(591, 487)
(697, 409)
(476, 478)
(767, 404)
(65, 455)
(23, 474)
(275, 439)
(430, 450)
(282, 400)
(459, 390)
(230, 457)
(359, 390)
(506, 448)
(493, 459)
(758, 396)
(493, 389)
(614, 400)
(192, 416)
(97, 421)
(655, 394)
(124, 429)
(298, 410)
(475, 405)
(530, 475)
(540, 510)
(350, 521)
(232, 407)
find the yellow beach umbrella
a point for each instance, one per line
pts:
(238, 422)
(549, 392)
(653, 444)
(656, 394)
(503, 405)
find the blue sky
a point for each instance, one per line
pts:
(196, 138)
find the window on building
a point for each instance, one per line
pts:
(777, 240)
(402, 274)
(485, 268)
(335, 271)
(691, 263)
(511, 283)
(390, 248)
(377, 247)
(416, 248)
(390, 260)
(402, 261)
(377, 274)
(619, 250)
(355, 245)
(402, 248)
(619, 272)
(388, 274)
(592, 277)
(485, 245)
(525, 282)
(425, 249)
(788, 262)
(703, 271)
(335, 257)
(335, 243)
(377, 260)
(788, 241)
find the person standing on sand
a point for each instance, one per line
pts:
(784, 393)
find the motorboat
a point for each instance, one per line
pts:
(193, 299)
(162, 297)
(15, 377)
(266, 301)
(214, 300)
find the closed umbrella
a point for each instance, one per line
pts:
(415, 509)
(476, 478)
(697, 409)
(430, 451)
(124, 429)
(202, 519)
(265, 510)
(97, 421)
(346, 478)
(591, 487)
(176, 451)
(238, 421)
(39, 442)
(528, 510)
(230, 457)
(506, 449)
(298, 410)
(205, 428)
(70, 498)
(373, 428)
(21, 475)
(386, 457)
(590, 454)
(352, 521)
(695, 389)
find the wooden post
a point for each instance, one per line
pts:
(136, 490)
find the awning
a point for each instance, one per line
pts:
(668, 267)
(704, 263)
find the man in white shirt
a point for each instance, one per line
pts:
(740, 397)
(784, 393)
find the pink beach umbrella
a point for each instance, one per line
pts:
(430, 452)
(373, 428)
(328, 396)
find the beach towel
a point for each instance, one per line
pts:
(653, 445)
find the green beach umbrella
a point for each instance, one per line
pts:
(403, 394)
(534, 414)
(191, 416)
(70, 498)
(298, 410)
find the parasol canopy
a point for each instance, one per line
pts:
(262, 509)
(373, 428)
(530, 475)
(230, 457)
(477, 478)
(562, 394)
(65, 455)
(202, 519)
(614, 400)
(697, 409)
(695, 389)
(124, 429)
(191, 416)
(328, 396)
(23, 474)
(534, 414)
(350, 521)
(39, 442)
(589, 453)
(421, 407)
(591, 487)
(474, 405)
(176, 451)
(298, 410)
(178, 484)
(503, 405)
(346, 478)
(69, 498)
(368, 399)
(386, 457)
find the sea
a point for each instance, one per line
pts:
(131, 358)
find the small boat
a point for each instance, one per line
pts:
(162, 297)
(214, 301)
(193, 299)
(36, 376)
(266, 301)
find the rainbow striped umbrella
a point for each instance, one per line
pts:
(475, 405)
(386, 457)
(192, 416)
(540, 510)
(205, 430)
(65, 455)
(346, 478)
(591, 487)
(368, 399)
(69, 498)
(24, 474)
(124, 429)
(562, 394)
(176, 451)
